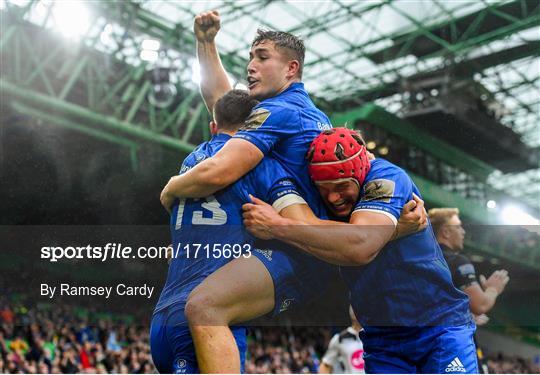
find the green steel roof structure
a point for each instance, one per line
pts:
(82, 65)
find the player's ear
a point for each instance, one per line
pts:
(293, 68)
(445, 230)
(213, 127)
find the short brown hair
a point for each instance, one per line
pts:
(440, 216)
(292, 45)
(232, 109)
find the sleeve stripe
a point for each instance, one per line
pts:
(392, 217)
(286, 201)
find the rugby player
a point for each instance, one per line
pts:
(345, 353)
(214, 221)
(414, 319)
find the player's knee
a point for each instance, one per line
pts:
(203, 309)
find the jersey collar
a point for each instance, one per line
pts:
(221, 137)
(295, 86)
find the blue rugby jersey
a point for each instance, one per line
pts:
(216, 221)
(408, 284)
(285, 125)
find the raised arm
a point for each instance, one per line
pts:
(214, 80)
(482, 299)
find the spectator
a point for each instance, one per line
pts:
(482, 295)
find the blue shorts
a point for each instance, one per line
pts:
(421, 350)
(297, 277)
(172, 346)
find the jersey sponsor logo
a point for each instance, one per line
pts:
(466, 269)
(286, 304)
(286, 182)
(381, 190)
(256, 119)
(322, 126)
(357, 359)
(455, 366)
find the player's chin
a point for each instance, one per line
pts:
(342, 210)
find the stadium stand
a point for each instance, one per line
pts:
(70, 339)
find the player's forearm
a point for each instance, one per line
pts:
(214, 80)
(337, 243)
(482, 301)
(490, 297)
(199, 182)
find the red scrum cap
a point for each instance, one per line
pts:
(338, 154)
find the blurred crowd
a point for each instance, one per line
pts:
(511, 241)
(67, 339)
(285, 350)
(501, 364)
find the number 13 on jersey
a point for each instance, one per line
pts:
(215, 214)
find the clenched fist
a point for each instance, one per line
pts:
(206, 26)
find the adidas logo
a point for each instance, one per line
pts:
(455, 366)
(266, 253)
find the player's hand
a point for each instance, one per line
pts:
(481, 319)
(497, 281)
(206, 26)
(166, 198)
(259, 218)
(413, 218)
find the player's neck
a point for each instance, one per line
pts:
(227, 132)
(288, 84)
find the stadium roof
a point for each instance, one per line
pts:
(357, 51)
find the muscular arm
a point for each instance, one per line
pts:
(346, 244)
(214, 80)
(235, 159)
(481, 301)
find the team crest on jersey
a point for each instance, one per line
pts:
(256, 119)
(286, 304)
(199, 156)
(180, 367)
(379, 190)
